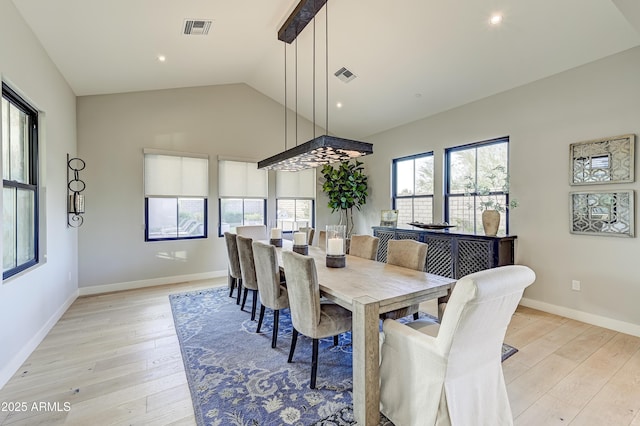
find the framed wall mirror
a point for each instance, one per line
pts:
(602, 213)
(607, 160)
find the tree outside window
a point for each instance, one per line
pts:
(472, 166)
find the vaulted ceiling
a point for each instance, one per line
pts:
(411, 58)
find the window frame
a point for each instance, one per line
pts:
(394, 182)
(33, 176)
(177, 198)
(447, 196)
(312, 221)
(198, 190)
(264, 210)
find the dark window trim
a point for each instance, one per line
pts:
(313, 211)
(17, 101)
(447, 164)
(394, 180)
(197, 237)
(264, 210)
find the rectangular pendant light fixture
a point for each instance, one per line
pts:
(316, 152)
(323, 149)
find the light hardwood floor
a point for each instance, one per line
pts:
(114, 359)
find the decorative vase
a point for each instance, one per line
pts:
(490, 222)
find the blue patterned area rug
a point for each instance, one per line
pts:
(236, 378)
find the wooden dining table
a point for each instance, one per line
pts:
(369, 288)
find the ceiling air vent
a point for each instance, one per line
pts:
(345, 75)
(196, 26)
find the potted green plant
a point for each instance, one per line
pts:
(346, 187)
(490, 190)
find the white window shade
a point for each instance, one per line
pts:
(175, 175)
(238, 179)
(301, 184)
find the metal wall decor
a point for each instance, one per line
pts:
(75, 185)
(607, 160)
(602, 213)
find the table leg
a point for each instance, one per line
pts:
(366, 374)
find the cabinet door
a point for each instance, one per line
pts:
(440, 256)
(473, 256)
(384, 236)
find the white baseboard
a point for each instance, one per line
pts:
(612, 324)
(130, 285)
(7, 371)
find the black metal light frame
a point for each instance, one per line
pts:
(322, 150)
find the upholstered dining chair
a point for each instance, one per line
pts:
(235, 273)
(322, 240)
(451, 374)
(310, 233)
(365, 246)
(248, 269)
(308, 316)
(273, 294)
(255, 232)
(410, 254)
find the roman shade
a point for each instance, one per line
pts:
(175, 174)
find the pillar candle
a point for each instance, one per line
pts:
(334, 246)
(299, 239)
(276, 233)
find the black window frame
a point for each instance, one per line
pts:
(187, 237)
(17, 101)
(313, 210)
(264, 210)
(394, 181)
(447, 184)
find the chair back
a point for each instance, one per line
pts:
(477, 315)
(410, 254)
(304, 292)
(232, 254)
(322, 240)
(267, 274)
(365, 246)
(255, 232)
(310, 233)
(247, 265)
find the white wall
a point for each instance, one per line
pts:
(32, 302)
(600, 99)
(231, 120)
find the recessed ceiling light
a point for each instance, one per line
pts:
(495, 19)
(338, 104)
(162, 58)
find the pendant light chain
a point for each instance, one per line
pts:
(314, 74)
(296, 58)
(326, 64)
(286, 113)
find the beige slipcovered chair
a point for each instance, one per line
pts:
(248, 269)
(410, 254)
(365, 246)
(322, 240)
(454, 378)
(310, 233)
(255, 232)
(272, 293)
(308, 316)
(235, 273)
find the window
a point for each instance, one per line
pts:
(413, 188)
(295, 197)
(19, 183)
(176, 188)
(470, 166)
(242, 189)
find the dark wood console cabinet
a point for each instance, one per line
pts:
(452, 254)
